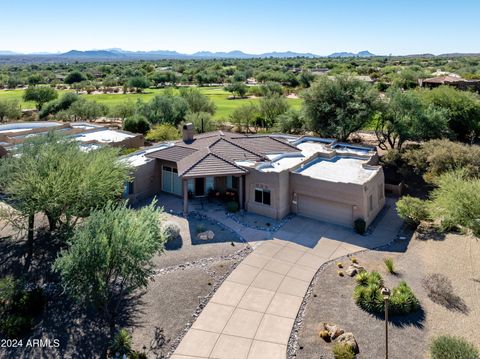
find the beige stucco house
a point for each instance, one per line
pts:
(272, 175)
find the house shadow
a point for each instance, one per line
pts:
(222, 234)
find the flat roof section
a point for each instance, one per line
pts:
(282, 162)
(308, 148)
(103, 136)
(338, 169)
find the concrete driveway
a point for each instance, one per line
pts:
(252, 313)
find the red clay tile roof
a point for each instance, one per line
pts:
(215, 153)
(206, 163)
(173, 153)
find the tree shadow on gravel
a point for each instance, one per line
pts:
(440, 290)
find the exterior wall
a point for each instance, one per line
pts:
(146, 182)
(277, 183)
(132, 142)
(375, 188)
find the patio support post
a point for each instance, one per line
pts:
(241, 200)
(185, 197)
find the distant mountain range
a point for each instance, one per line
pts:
(116, 54)
(119, 54)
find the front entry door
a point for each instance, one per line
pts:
(200, 187)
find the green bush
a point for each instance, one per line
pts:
(368, 296)
(437, 157)
(122, 343)
(163, 132)
(232, 206)
(18, 307)
(456, 202)
(136, 124)
(402, 300)
(171, 230)
(389, 264)
(360, 225)
(412, 210)
(449, 347)
(200, 228)
(343, 351)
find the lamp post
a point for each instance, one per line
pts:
(386, 296)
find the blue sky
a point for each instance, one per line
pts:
(320, 27)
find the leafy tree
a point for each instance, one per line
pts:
(306, 78)
(237, 89)
(245, 116)
(201, 120)
(271, 107)
(271, 88)
(456, 202)
(35, 79)
(463, 110)
(291, 121)
(163, 78)
(138, 83)
(85, 110)
(61, 104)
(164, 109)
(123, 110)
(136, 124)
(406, 117)
(163, 132)
(40, 95)
(110, 256)
(340, 106)
(50, 174)
(197, 102)
(9, 109)
(74, 77)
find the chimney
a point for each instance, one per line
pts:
(188, 131)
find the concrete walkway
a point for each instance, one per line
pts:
(252, 313)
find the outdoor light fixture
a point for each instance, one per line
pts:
(386, 296)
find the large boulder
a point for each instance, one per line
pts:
(354, 269)
(349, 339)
(333, 330)
(206, 236)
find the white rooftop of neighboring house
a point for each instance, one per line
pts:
(26, 126)
(338, 169)
(103, 136)
(139, 158)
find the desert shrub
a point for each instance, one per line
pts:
(368, 296)
(360, 225)
(389, 264)
(171, 230)
(456, 202)
(412, 210)
(450, 347)
(291, 121)
(163, 132)
(343, 351)
(122, 343)
(437, 157)
(18, 307)
(232, 206)
(136, 124)
(202, 121)
(402, 300)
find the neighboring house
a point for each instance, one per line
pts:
(451, 80)
(272, 175)
(14, 133)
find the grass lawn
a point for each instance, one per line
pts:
(219, 96)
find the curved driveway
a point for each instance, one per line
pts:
(252, 313)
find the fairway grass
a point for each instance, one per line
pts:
(218, 95)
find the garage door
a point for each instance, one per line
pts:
(328, 211)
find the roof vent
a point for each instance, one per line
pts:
(188, 131)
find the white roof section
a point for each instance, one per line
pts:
(338, 169)
(282, 162)
(246, 163)
(103, 136)
(139, 158)
(308, 148)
